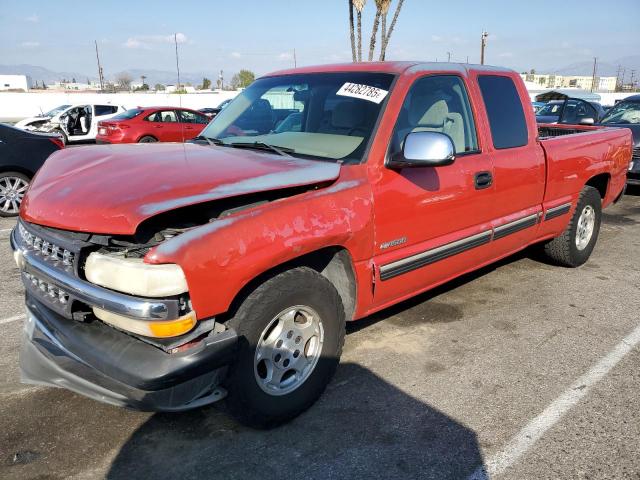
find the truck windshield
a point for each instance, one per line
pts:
(623, 113)
(319, 115)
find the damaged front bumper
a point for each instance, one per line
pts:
(104, 363)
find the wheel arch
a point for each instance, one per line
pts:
(140, 137)
(334, 263)
(18, 169)
(601, 183)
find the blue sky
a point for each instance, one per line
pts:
(261, 34)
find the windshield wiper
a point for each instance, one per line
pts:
(283, 151)
(209, 140)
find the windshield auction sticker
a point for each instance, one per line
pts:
(363, 92)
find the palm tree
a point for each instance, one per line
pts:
(387, 35)
(359, 5)
(376, 24)
(351, 28)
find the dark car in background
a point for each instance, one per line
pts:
(626, 114)
(152, 124)
(211, 112)
(22, 154)
(571, 111)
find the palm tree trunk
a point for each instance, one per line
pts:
(353, 38)
(359, 15)
(383, 47)
(374, 33)
(383, 36)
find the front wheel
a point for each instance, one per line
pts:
(291, 331)
(13, 186)
(147, 139)
(574, 246)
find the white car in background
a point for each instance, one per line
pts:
(75, 123)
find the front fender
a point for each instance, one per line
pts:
(221, 257)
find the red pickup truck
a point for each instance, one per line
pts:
(168, 276)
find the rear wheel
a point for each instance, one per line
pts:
(291, 331)
(574, 246)
(13, 186)
(147, 139)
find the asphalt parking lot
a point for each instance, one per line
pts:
(528, 369)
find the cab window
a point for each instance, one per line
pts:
(438, 103)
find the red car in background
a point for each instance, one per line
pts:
(152, 124)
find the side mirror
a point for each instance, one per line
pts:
(587, 121)
(424, 149)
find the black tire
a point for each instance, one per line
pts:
(563, 249)
(147, 139)
(65, 139)
(8, 210)
(247, 401)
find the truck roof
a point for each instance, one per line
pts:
(395, 67)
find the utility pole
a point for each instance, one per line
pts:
(221, 80)
(633, 80)
(483, 45)
(143, 77)
(175, 39)
(618, 82)
(593, 77)
(100, 74)
(448, 56)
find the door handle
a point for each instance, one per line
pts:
(483, 180)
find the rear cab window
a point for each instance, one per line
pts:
(507, 122)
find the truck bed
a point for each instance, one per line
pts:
(570, 149)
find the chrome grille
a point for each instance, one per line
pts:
(52, 292)
(45, 248)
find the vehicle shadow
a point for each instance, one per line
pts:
(362, 427)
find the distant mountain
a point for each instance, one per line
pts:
(605, 69)
(41, 74)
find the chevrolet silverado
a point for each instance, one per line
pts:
(165, 277)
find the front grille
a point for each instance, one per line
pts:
(59, 256)
(635, 156)
(46, 290)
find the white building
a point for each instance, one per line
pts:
(15, 82)
(544, 81)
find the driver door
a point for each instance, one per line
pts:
(432, 223)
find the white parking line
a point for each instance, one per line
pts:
(11, 319)
(6, 230)
(536, 428)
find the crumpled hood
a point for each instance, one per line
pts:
(111, 189)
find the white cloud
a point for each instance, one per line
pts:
(436, 38)
(285, 57)
(33, 18)
(147, 41)
(235, 55)
(30, 44)
(505, 55)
